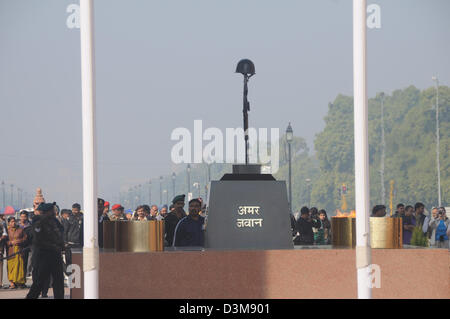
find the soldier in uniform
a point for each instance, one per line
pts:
(118, 214)
(48, 244)
(172, 219)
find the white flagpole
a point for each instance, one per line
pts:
(90, 249)
(362, 189)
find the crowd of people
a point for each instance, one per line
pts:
(312, 227)
(40, 241)
(433, 230)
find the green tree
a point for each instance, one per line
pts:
(410, 159)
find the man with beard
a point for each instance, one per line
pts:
(48, 243)
(172, 219)
(189, 230)
(142, 212)
(162, 213)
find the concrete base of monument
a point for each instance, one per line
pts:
(301, 273)
(247, 213)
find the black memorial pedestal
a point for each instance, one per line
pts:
(248, 210)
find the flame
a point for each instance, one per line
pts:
(340, 214)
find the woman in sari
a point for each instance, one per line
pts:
(16, 239)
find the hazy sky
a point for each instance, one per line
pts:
(162, 64)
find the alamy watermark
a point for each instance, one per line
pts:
(190, 148)
(373, 16)
(374, 272)
(74, 279)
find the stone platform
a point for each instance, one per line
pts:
(294, 273)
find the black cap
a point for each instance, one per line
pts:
(45, 207)
(178, 198)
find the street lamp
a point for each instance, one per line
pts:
(308, 183)
(150, 192)
(160, 189)
(247, 69)
(436, 80)
(289, 138)
(140, 194)
(24, 199)
(135, 198)
(3, 191)
(165, 191)
(19, 198)
(130, 198)
(174, 176)
(12, 195)
(209, 161)
(383, 145)
(197, 185)
(188, 169)
(209, 172)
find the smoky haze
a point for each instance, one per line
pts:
(163, 64)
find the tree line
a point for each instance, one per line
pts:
(410, 154)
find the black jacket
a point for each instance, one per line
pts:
(170, 223)
(47, 233)
(293, 225)
(304, 227)
(101, 219)
(73, 230)
(189, 232)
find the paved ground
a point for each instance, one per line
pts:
(21, 293)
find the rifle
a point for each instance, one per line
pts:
(17, 253)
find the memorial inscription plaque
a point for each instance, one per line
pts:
(248, 214)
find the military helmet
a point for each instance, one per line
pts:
(245, 67)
